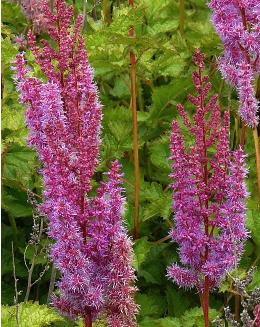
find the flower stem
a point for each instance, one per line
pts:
(257, 154)
(237, 303)
(16, 297)
(243, 135)
(88, 320)
(206, 218)
(256, 142)
(206, 302)
(135, 132)
(52, 283)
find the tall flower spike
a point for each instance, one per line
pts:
(208, 194)
(237, 23)
(92, 250)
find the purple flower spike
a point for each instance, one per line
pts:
(237, 23)
(92, 250)
(208, 193)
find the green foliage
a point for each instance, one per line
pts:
(191, 318)
(253, 223)
(33, 315)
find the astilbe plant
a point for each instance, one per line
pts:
(208, 194)
(34, 12)
(92, 250)
(238, 24)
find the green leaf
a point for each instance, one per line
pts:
(9, 51)
(19, 163)
(159, 154)
(153, 268)
(141, 249)
(13, 16)
(151, 304)
(253, 224)
(163, 322)
(12, 119)
(13, 125)
(121, 87)
(118, 128)
(178, 301)
(16, 204)
(194, 317)
(256, 280)
(160, 207)
(33, 315)
(168, 67)
(163, 27)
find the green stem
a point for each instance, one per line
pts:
(16, 297)
(52, 283)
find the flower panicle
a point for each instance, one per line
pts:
(92, 250)
(209, 199)
(237, 23)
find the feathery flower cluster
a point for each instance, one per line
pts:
(237, 22)
(34, 11)
(92, 250)
(208, 192)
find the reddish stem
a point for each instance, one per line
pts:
(237, 303)
(243, 132)
(206, 302)
(135, 132)
(243, 15)
(205, 295)
(88, 320)
(257, 152)
(243, 135)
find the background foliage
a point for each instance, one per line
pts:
(164, 69)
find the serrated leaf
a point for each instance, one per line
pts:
(253, 224)
(178, 307)
(194, 317)
(159, 155)
(9, 51)
(33, 315)
(163, 322)
(141, 249)
(18, 165)
(151, 304)
(12, 119)
(160, 207)
(121, 87)
(153, 269)
(163, 27)
(16, 205)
